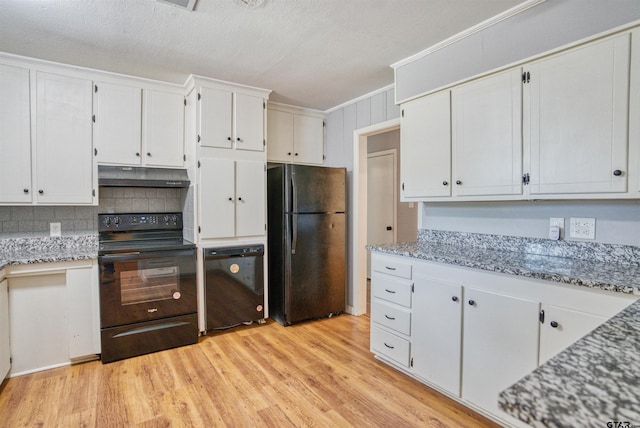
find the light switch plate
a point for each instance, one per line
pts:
(55, 229)
(582, 228)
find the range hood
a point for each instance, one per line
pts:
(135, 176)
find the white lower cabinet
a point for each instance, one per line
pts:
(437, 337)
(500, 344)
(5, 353)
(53, 315)
(472, 333)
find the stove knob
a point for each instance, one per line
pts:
(174, 218)
(116, 221)
(166, 219)
(107, 221)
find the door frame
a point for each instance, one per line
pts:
(358, 208)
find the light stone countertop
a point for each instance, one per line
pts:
(15, 251)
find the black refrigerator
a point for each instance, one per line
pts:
(307, 241)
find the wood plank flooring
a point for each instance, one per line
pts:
(317, 373)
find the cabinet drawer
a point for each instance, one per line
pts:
(391, 289)
(394, 317)
(391, 266)
(390, 345)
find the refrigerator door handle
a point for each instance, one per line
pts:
(294, 193)
(294, 234)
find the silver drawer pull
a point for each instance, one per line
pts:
(389, 346)
(390, 268)
(389, 291)
(388, 317)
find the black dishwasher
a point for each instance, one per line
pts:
(234, 286)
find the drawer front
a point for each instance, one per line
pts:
(391, 266)
(390, 345)
(391, 289)
(391, 316)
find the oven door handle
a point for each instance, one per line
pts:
(137, 255)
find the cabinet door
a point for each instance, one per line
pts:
(116, 131)
(562, 327)
(425, 158)
(163, 129)
(64, 149)
(577, 117)
(280, 136)
(249, 122)
(15, 135)
(83, 310)
(250, 198)
(215, 118)
(437, 333)
(487, 136)
(500, 343)
(308, 139)
(217, 198)
(5, 352)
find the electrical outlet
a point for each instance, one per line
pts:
(55, 229)
(582, 228)
(559, 223)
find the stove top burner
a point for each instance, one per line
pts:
(140, 232)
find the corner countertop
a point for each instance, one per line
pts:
(591, 383)
(16, 251)
(586, 273)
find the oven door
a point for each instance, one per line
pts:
(147, 285)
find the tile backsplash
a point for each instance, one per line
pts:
(33, 221)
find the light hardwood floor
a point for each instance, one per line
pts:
(317, 373)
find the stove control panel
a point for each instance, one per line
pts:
(126, 222)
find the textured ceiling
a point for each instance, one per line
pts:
(311, 53)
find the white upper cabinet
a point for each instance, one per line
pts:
(64, 149)
(117, 129)
(230, 120)
(232, 198)
(138, 127)
(15, 135)
(576, 118)
(163, 128)
(487, 136)
(295, 135)
(425, 158)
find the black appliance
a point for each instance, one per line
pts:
(307, 241)
(234, 286)
(148, 296)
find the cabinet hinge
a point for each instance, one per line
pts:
(264, 143)
(324, 124)
(402, 112)
(93, 193)
(198, 138)
(184, 158)
(402, 186)
(95, 88)
(541, 317)
(199, 96)
(525, 179)
(526, 77)
(324, 157)
(10, 360)
(198, 164)
(185, 101)
(199, 229)
(413, 288)
(411, 364)
(93, 118)
(95, 152)
(264, 105)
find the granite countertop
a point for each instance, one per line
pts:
(604, 275)
(591, 383)
(16, 251)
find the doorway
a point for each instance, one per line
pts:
(381, 199)
(358, 207)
